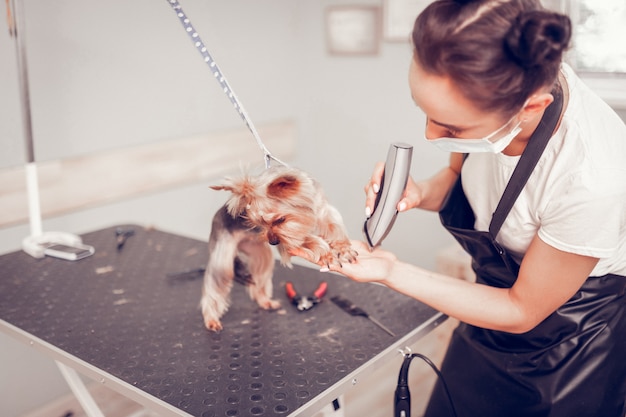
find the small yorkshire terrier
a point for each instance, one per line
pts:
(283, 207)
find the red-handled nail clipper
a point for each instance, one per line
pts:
(304, 303)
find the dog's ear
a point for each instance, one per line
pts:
(284, 186)
(240, 186)
(221, 187)
(243, 193)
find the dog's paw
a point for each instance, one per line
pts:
(270, 305)
(343, 253)
(349, 255)
(213, 325)
(330, 258)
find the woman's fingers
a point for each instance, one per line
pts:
(411, 197)
(373, 187)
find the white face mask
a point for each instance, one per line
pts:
(491, 143)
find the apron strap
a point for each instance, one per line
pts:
(536, 145)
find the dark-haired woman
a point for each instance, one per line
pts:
(536, 192)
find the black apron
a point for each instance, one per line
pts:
(573, 364)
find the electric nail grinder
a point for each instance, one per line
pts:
(392, 185)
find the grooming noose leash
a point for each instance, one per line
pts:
(219, 77)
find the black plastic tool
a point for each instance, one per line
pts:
(122, 235)
(351, 308)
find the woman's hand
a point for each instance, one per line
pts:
(374, 266)
(370, 266)
(411, 198)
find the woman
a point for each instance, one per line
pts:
(543, 331)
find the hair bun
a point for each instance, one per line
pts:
(538, 37)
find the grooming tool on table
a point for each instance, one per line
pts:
(350, 308)
(122, 235)
(305, 302)
(392, 185)
(219, 76)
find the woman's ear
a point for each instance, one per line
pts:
(535, 105)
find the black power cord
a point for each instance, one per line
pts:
(402, 400)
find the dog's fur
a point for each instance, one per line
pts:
(282, 206)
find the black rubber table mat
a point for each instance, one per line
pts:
(121, 313)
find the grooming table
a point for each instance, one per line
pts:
(118, 318)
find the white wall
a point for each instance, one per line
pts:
(119, 73)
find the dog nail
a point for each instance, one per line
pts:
(402, 206)
(368, 211)
(324, 269)
(376, 187)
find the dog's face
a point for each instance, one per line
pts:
(281, 203)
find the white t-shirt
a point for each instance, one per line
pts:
(575, 199)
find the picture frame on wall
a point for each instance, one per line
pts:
(399, 17)
(353, 30)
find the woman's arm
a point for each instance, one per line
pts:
(548, 278)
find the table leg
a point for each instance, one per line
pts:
(80, 391)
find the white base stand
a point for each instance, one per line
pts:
(35, 245)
